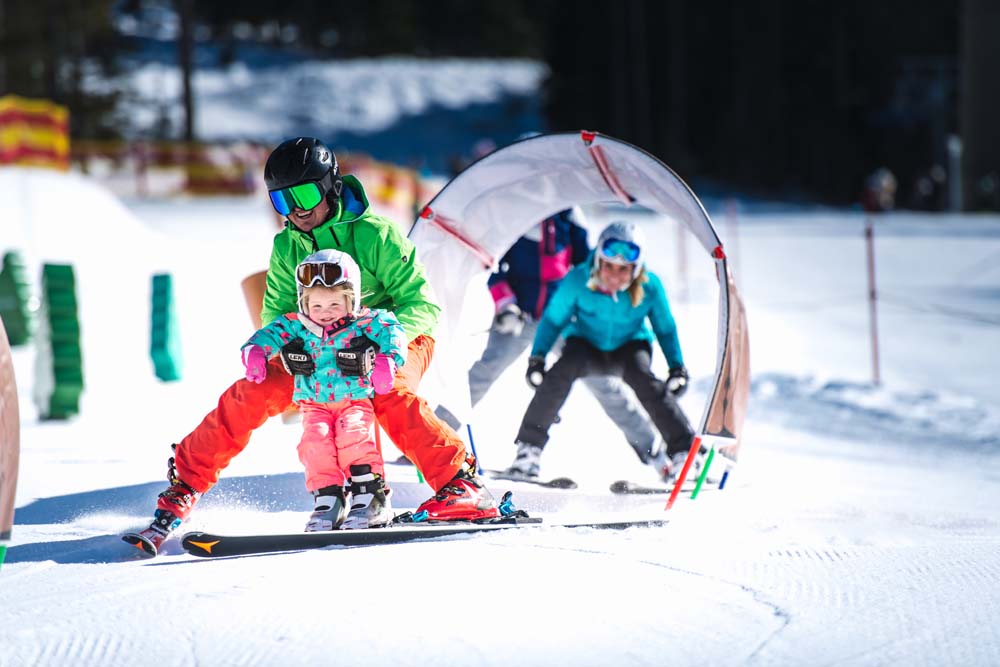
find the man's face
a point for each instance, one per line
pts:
(311, 219)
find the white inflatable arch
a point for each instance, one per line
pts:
(478, 215)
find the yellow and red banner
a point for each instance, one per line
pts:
(34, 133)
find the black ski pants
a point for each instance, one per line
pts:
(631, 362)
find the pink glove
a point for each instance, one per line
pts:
(256, 363)
(382, 373)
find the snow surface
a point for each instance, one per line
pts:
(859, 528)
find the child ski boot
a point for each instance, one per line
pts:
(330, 510)
(370, 506)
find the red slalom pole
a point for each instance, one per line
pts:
(695, 445)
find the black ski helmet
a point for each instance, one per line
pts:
(301, 160)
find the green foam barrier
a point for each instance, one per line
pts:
(59, 379)
(15, 296)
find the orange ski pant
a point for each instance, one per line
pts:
(432, 445)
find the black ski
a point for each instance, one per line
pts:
(209, 545)
(626, 488)
(556, 483)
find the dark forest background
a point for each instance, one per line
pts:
(785, 98)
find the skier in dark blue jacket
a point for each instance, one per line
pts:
(528, 277)
(604, 309)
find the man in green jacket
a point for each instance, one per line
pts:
(326, 210)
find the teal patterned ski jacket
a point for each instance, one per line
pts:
(327, 384)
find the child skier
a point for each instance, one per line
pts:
(337, 447)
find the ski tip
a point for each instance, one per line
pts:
(140, 543)
(561, 483)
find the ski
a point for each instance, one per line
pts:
(148, 540)
(556, 483)
(211, 545)
(626, 488)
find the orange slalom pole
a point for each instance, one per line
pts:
(695, 445)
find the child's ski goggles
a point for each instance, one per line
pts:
(305, 196)
(327, 273)
(616, 249)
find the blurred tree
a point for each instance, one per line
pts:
(48, 48)
(185, 58)
(980, 110)
(383, 27)
(785, 97)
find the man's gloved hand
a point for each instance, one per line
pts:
(255, 361)
(536, 372)
(358, 358)
(295, 358)
(677, 381)
(509, 320)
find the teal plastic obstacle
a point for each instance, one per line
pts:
(165, 342)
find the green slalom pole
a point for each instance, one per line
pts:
(704, 473)
(3, 552)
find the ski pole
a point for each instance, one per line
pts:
(704, 473)
(472, 445)
(695, 446)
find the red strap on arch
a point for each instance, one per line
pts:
(601, 160)
(449, 227)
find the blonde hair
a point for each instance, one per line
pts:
(345, 289)
(635, 290)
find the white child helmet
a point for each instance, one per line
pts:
(621, 243)
(329, 268)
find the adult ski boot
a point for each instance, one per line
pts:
(464, 498)
(172, 507)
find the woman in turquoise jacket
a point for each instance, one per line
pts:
(343, 465)
(605, 309)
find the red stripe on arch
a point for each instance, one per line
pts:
(449, 227)
(601, 160)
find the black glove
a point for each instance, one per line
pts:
(510, 320)
(677, 381)
(358, 358)
(295, 358)
(536, 372)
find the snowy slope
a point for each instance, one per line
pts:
(860, 527)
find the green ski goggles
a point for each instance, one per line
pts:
(305, 196)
